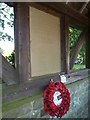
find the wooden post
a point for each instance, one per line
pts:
(88, 49)
(0, 68)
(22, 40)
(64, 28)
(88, 44)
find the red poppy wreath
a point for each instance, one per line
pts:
(56, 99)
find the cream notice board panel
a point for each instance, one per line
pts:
(45, 43)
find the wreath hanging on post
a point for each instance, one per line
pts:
(56, 99)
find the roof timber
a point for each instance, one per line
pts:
(59, 9)
(83, 7)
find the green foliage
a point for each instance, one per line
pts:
(74, 37)
(78, 67)
(2, 24)
(11, 58)
(5, 36)
(6, 19)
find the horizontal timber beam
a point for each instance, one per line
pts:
(78, 25)
(38, 85)
(59, 9)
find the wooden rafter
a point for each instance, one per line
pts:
(84, 6)
(67, 1)
(60, 9)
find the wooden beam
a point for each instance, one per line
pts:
(84, 6)
(59, 9)
(44, 8)
(22, 40)
(67, 1)
(9, 74)
(76, 24)
(77, 48)
(88, 49)
(64, 28)
(38, 85)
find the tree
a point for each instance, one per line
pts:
(11, 58)
(6, 19)
(75, 35)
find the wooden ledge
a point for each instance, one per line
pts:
(77, 76)
(37, 85)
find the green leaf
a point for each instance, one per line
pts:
(2, 23)
(9, 23)
(12, 16)
(5, 36)
(11, 58)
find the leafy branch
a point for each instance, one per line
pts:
(6, 18)
(11, 58)
(5, 36)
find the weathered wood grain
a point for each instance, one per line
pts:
(64, 26)
(0, 69)
(9, 74)
(88, 48)
(22, 41)
(59, 9)
(37, 85)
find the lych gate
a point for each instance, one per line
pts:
(42, 48)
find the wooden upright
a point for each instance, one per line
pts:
(88, 47)
(64, 43)
(22, 41)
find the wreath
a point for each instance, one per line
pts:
(56, 99)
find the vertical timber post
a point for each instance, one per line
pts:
(22, 40)
(88, 49)
(64, 28)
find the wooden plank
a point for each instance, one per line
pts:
(37, 85)
(59, 9)
(9, 74)
(64, 28)
(22, 40)
(29, 88)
